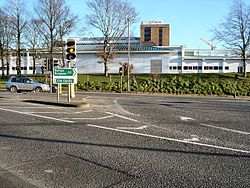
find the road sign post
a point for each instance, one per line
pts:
(65, 76)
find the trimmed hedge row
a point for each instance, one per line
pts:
(174, 86)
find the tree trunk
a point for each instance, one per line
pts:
(106, 69)
(2, 61)
(34, 65)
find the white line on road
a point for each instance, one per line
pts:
(35, 115)
(123, 117)
(171, 139)
(133, 128)
(105, 117)
(185, 118)
(123, 110)
(60, 112)
(225, 129)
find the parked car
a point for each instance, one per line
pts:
(18, 84)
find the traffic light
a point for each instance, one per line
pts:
(121, 71)
(71, 50)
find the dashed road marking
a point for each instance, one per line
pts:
(186, 118)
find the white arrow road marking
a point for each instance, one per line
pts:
(185, 118)
(133, 128)
(171, 139)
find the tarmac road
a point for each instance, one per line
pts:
(125, 141)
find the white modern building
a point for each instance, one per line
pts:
(145, 59)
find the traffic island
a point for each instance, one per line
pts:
(62, 104)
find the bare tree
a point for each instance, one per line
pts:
(18, 21)
(34, 39)
(2, 40)
(67, 24)
(54, 15)
(111, 18)
(6, 38)
(235, 31)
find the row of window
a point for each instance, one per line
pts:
(14, 68)
(198, 68)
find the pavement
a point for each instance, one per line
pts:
(50, 99)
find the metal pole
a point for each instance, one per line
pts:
(69, 85)
(128, 55)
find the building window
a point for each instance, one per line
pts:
(160, 36)
(179, 67)
(205, 67)
(200, 67)
(210, 68)
(220, 68)
(147, 34)
(195, 67)
(13, 68)
(185, 67)
(216, 68)
(30, 68)
(226, 68)
(170, 68)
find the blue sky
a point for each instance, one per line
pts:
(189, 19)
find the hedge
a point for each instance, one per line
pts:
(173, 86)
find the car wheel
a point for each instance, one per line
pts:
(38, 89)
(13, 89)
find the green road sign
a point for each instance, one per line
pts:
(63, 81)
(64, 76)
(64, 72)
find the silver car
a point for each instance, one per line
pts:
(18, 84)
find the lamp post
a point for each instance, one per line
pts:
(128, 55)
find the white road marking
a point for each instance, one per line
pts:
(133, 128)
(123, 117)
(192, 139)
(30, 107)
(185, 118)
(48, 171)
(35, 115)
(60, 112)
(225, 129)
(105, 117)
(123, 110)
(171, 139)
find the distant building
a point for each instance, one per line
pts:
(155, 33)
(149, 54)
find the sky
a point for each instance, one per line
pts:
(189, 19)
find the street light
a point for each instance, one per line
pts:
(128, 54)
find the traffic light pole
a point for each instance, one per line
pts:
(69, 85)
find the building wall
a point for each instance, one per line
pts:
(171, 62)
(155, 34)
(89, 63)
